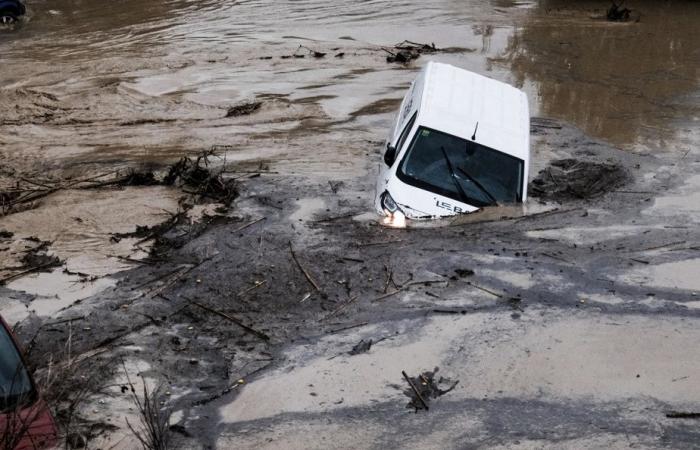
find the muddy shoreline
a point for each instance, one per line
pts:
(524, 267)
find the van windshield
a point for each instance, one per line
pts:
(15, 385)
(461, 169)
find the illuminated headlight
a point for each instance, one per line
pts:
(394, 216)
(389, 204)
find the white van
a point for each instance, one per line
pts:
(461, 142)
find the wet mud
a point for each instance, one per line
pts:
(259, 286)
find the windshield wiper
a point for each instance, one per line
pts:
(480, 186)
(462, 194)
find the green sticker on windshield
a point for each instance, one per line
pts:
(425, 133)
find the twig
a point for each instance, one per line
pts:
(369, 244)
(349, 327)
(546, 214)
(58, 322)
(347, 258)
(238, 322)
(256, 285)
(25, 272)
(641, 261)
(415, 390)
(382, 297)
(176, 276)
(558, 258)
(132, 260)
(241, 228)
(304, 271)
(662, 246)
(339, 308)
(484, 289)
(389, 277)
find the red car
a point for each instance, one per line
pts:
(25, 420)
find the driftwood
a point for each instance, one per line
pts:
(238, 322)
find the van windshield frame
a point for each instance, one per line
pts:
(483, 173)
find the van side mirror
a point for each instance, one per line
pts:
(390, 155)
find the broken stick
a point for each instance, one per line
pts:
(238, 322)
(415, 390)
(308, 276)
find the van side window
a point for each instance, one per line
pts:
(404, 133)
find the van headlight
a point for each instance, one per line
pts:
(389, 204)
(394, 216)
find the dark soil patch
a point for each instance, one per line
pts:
(378, 107)
(134, 178)
(570, 178)
(38, 259)
(463, 273)
(243, 109)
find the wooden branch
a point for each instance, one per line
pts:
(238, 322)
(415, 390)
(306, 273)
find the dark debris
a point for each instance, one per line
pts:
(429, 388)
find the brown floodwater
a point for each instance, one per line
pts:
(89, 86)
(148, 79)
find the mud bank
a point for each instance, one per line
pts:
(232, 313)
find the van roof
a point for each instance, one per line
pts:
(454, 100)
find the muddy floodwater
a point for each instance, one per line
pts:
(569, 322)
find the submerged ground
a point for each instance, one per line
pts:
(569, 323)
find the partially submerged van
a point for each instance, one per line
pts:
(461, 141)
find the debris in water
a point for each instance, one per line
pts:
(361, 347)
(243, 109)
(424, 387)
(682, 415)
(407, 51)
(463, 273)
(194, 173)
(134, 178)
(616, 13)
(570, 178)
(35, 259)
(314, 53)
